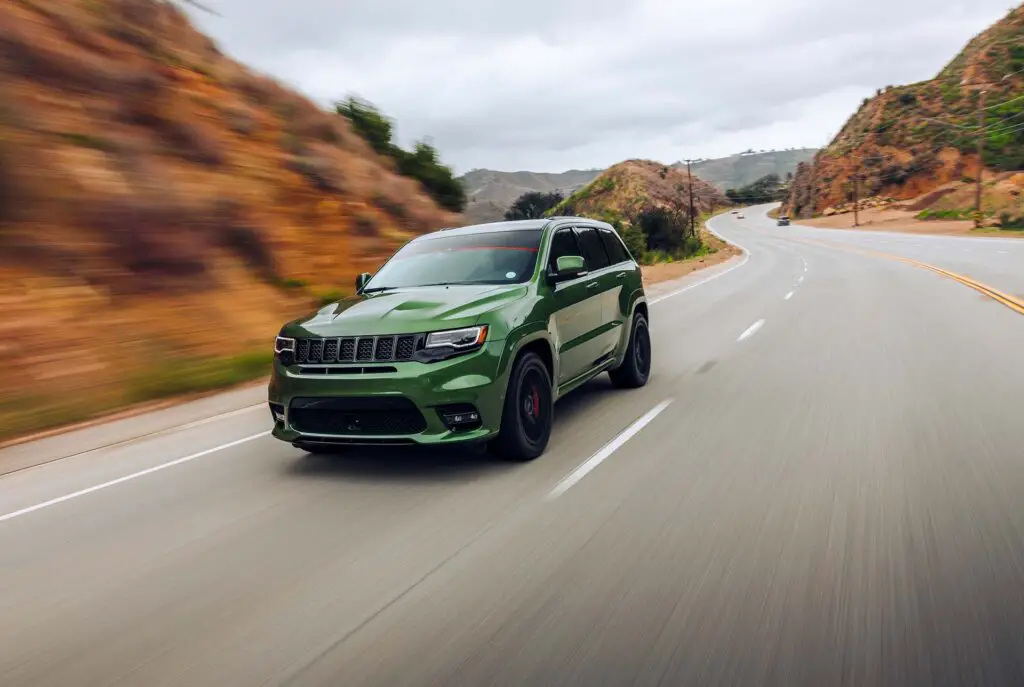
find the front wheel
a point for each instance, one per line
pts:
(528, 412)
(636, 367)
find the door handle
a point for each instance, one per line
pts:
(620, 275)
(592, 285)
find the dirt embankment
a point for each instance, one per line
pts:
(163, 209)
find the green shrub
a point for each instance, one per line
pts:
(421, 163)
(533, 205)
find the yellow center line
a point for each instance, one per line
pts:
(996, 295)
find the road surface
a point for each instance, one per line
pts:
(821, 485)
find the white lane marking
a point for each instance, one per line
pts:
(607, 450)
(1003, 252)
(788, 296)
(741, 263)
(751, 330)
(127, 478)
(800, 279)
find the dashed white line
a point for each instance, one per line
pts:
(800, 279)
(127, 478)
(751, 330)
(788, 296)
(607, 450)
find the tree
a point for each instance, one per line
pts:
(767, 189)
(422, 164)
(368, 122)
(533, 205)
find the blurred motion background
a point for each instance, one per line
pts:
(163, 210)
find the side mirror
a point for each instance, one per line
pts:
(569, 267)
(361, 281)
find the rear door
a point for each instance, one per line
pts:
(605, 286)
(578, 312)
(624, 278)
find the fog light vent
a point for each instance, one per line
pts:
(460, 417)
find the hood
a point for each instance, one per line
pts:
(409, 311)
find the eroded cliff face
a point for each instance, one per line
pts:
(910, 140)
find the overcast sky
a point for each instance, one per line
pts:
(550, 85)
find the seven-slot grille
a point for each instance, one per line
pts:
(365, 349)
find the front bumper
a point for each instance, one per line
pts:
(478, 379)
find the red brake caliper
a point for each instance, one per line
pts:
(536, 401)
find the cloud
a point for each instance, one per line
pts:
(548, 85)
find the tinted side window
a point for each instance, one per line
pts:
(612, 244)
(593, 249)
(563, 243)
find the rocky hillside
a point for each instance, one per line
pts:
(163, 209)
(908, 141)
(491, 193)
(648, 202)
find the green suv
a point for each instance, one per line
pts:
(465, 335)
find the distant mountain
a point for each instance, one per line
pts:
(746, 168)
(491, 192)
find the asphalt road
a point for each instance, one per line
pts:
(821, 485)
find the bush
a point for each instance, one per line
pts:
(192, 142)
(421, 163)
(664, 231)
(365, 223)
(1008, 221)
(321, 171)
(635, 242)
(533, 205)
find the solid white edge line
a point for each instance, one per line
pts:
(127, 478)
(788, 296)
(607, 450)
(741, 263)
(751, 330)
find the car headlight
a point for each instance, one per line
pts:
(458, 340)
(284, 350)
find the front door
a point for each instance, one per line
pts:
(578, 312)
(605, 285)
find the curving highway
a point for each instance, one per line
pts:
(823, 484)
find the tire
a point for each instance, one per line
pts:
(636, 367)
(318, 449)
(528, 413)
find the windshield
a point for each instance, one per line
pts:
(504, 257)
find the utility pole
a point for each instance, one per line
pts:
(856, 199)
(981, 158)
(693, 220)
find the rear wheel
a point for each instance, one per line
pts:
(528, 413)
(636, 367)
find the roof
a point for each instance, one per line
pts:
(516, 225)
(491, 227)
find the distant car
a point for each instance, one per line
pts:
(739, 215)
(735, 212)
(783, 221)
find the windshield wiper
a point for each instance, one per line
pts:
(378, 289)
